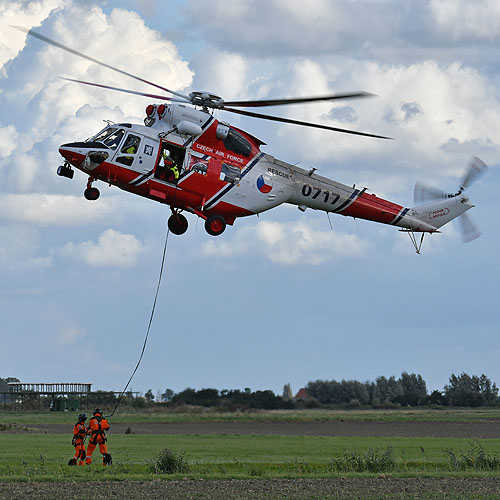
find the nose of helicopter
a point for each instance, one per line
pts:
(74, 152)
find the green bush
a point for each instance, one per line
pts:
(372, 461)
(169, 462)
(475, 459)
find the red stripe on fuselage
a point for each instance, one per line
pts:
(370, 207)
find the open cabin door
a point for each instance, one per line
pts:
(170, 155)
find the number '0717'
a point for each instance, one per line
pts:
(316, 192)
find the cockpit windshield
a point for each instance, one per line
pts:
(111, 137)
(114, 139)
(103, 134)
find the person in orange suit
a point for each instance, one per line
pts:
(98, 425)
(79, 435)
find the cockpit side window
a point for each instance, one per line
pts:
(130, 147)
(131, 144)
(114, 139)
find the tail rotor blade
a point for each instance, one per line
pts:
(424, 193)
(476, 168)
(469, 230)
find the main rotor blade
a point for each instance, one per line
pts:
(75, 52)
(477, 168)
(297, 100)
(298, 122)
(145, 94)
(469, 230)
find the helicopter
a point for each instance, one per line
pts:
(187, 159)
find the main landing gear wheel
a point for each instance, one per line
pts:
(91, 194)
(215, 225)
(177, 224)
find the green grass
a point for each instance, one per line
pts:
(44, 457)
(438, 414)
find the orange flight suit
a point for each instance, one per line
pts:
(79, 433)
(97, 427)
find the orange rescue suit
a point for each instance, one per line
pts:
(97, 427)
(79, 433)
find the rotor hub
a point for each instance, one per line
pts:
(206, 99)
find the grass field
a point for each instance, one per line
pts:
(437, 414)
(44, 457)
(33, 463)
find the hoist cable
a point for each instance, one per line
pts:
(149, 325)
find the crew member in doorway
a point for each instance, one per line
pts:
(80, 432)
(98, 426)
(169, 167)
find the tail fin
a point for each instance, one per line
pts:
(441, 212)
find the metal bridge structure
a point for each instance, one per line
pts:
(55, 396)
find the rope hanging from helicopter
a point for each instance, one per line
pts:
(149, 324)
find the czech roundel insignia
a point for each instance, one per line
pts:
(265, 185)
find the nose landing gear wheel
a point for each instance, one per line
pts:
(91, 194)
(215, 225)
(177, 224)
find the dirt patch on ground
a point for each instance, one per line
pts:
(478, 430)
(340, 488)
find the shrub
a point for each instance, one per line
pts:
(169, 462)
(475, 459)
(372, 461)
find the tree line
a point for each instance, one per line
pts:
(409, 389)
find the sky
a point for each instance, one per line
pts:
(283, 297)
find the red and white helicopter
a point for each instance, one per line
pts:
(222, 173)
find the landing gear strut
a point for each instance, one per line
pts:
(91, 193)
(177, 223)
(416, 243)
(65, 170)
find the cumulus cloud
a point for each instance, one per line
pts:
(27, 13)
(288, 243)
(224, 71)
(113, 249)
(390, 30)
(8, 138)
(19, 247)
(53, 210)
(266, 28)
(463, 20)
(121, 39)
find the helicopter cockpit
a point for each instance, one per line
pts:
(110, 137)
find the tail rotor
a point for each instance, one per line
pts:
(423, 193)
(468, 229)
(476, 169)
